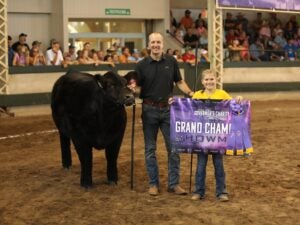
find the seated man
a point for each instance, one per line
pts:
(54, 55)
(257, 51)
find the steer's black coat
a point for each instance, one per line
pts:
(89, 110)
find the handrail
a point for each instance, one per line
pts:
(172, 35)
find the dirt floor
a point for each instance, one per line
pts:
(264, 188)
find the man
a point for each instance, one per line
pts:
(22, 41)
(54, 55)
(11, 52)
(187, 20)
(157, 74)
(190, 39)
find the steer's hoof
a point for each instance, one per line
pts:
(111, 183)
(86, 187)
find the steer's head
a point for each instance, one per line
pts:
(115, 87)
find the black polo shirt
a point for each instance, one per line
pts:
(156, 78)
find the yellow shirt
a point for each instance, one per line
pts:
(218, 94)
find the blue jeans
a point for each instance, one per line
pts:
(201, 174)
(155, 118)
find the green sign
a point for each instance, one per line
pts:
(123, 12)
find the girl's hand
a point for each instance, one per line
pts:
(170, 100)
(239, 99)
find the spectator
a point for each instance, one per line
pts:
(71, 54)
(200, 21)
(204, 56)
(134, 57)
(265, 32)
(173, 23)
(279, 39)
(293, 21)
(10, 51)
(275, 30)
(257, 51)
(204, 40)
(54, 55)
(245, 54)
(144, 53)
(273, 20)
(186, 20)
(35, 44)
(87, 46)
(22, 42)
(257, 23)
(230, 36)
(275, 51)
(52, 40)
(115, 58)
(177, 55)
(179, 35)
(289, 30)
(240, 19)
(85, 59)
(125, 54)
(190, 39)
(21, 57)
(201, 28)
(108, 58)
(235, 51)
(189, 56)
(100, 55)
(290, 50)
(229, 22)
(36, 58)
(169, 51)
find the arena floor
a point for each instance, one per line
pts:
(264, 188)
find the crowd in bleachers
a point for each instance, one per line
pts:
(263, 39)
(20, 54)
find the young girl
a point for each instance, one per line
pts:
(210, 91)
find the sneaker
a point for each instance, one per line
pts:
(223, 198)
(153, 190)
(196, 197)
(177, 190)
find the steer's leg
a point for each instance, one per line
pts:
(85, 155)
(66, 156)
(111, 153)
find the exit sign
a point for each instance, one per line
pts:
(122, 12)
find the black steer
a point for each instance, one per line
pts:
(89, 110)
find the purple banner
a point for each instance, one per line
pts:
(263, 4)
(210, 126)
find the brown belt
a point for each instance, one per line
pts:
(155, 104)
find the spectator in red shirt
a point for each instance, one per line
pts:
(189, 56)
(187, 20)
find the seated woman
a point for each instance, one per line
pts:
(234, 50)
(21, 57)
(36, 58)
(177, 55)
(84, 58)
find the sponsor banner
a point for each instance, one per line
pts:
(210, 126)
(263, 4)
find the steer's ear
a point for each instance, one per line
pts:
(131, 75)
(100, 80)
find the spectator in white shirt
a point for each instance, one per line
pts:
(54, 55)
